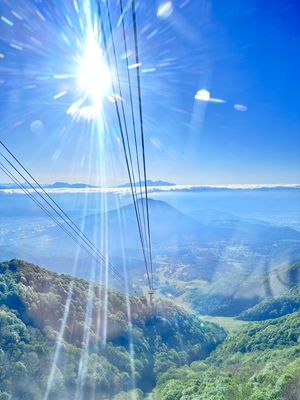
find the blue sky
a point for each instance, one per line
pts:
(245, 53)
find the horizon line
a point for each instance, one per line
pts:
(153, 189)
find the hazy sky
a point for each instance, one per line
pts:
(246, 54)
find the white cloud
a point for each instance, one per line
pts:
(157, 189)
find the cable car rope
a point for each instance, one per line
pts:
(137, 59)
(61, 214)
(132, 110)
(122, 135)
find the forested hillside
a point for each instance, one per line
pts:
(277, 294)
(259, 362)
(33, 309)
(183, 357)
(273, 307)
(277, 306)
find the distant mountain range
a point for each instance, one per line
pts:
(163, 186)
(149, 183)
(67, 185)
(56, 185)
(207, 245)
(63, 185)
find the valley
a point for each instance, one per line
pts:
(224, 323)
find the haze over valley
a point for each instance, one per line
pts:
(197, 250)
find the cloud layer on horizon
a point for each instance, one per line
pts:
(158, 189)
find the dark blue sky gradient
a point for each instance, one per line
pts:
(243, 52)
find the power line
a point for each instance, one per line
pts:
(92, 250)
(40, 205)
(146, 236)
(65, 216)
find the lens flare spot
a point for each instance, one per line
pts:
(202, 95)
(37, 127)
(165, 10)
(240, 107)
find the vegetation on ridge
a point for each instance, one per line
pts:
(33, 304)
(258, 362)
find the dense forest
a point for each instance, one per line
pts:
(279, 285)
(273, 307)
(259, 362)
(117, 355)
(165, 353)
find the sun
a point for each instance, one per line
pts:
(93, 74)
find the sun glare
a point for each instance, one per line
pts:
(93, 75)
